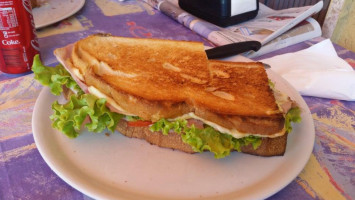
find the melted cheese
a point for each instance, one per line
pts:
(78, 74)
(281, 98)
(94, 91)
(233, 132)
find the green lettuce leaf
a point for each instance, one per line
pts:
(54, 77)
(205, 139)
(271, 84)
(293, 115)
(132, 118)
(69, 117)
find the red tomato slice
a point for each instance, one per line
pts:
(139, 123)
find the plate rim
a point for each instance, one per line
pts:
(81, 4)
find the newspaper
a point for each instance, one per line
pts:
(270, 27)
(303, 31)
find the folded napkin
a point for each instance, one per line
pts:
(316, 71)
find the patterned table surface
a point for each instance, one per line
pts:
(329, 174)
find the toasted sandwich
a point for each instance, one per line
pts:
(168, 93)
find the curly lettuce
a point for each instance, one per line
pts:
(54, 77)
(293, 115)
(69, 117)
(207, 138)
(81, 108)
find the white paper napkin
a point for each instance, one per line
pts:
(316, 71)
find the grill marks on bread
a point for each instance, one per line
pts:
(163, 70)
(243, 84)
(165, 79)
(152, 72)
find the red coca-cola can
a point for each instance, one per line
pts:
(18, 41)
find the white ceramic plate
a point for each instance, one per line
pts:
(116, 167)
(55, 10)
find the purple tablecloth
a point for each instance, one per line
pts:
(329, 174)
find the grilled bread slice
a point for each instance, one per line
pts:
(155, 79)
(172, 71)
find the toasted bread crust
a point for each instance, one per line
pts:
(269, 146)
(175, 71)
(247, 83)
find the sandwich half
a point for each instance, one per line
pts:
(168, 93)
